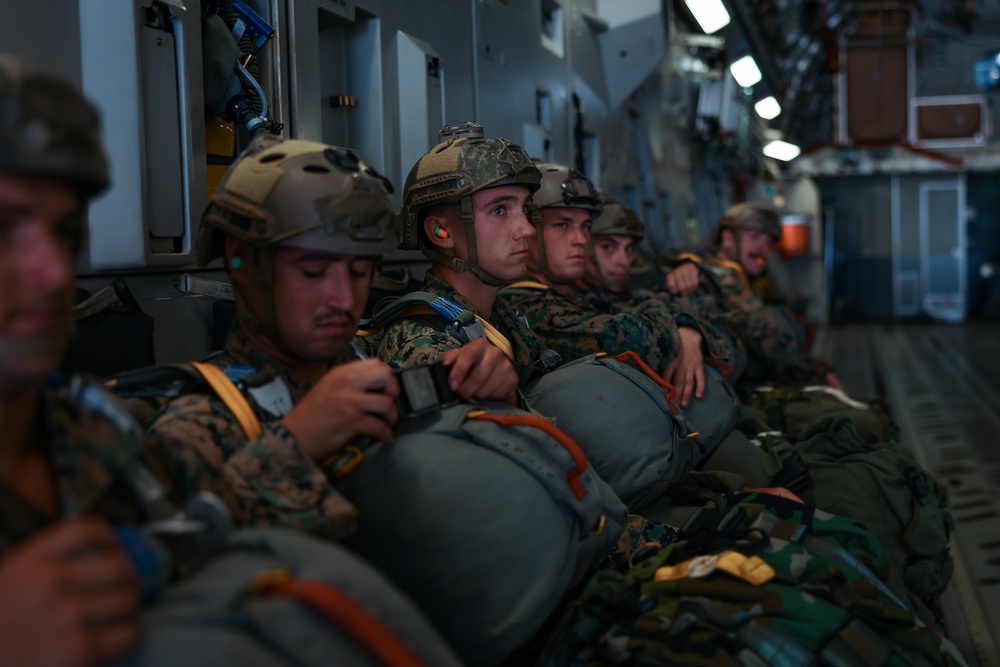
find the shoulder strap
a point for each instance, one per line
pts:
(524, 287)
(231, 396)
(460, 322)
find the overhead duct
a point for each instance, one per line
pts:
(632, 44)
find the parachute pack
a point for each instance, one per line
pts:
(469, 504)
(275, 598)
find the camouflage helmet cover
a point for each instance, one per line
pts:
(563, 187)
(300, 193)
(617, 219)
(457, 168)
(749, 215)
(47, 128)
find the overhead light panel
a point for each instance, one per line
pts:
(745, 71)
(782, 150)
(711, 15)
(767, 108)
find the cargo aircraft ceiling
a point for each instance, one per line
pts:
(798, 46)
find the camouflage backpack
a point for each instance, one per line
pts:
(759, 581)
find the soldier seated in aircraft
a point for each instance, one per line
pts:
(465, 206)
(740, 246)
(72, 463)
(563, 210)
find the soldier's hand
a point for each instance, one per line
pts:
(481, 370)
(686, 371)
(70, 598)
(683, 280)
(357, 398)
(834, 381)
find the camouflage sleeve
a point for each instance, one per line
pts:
(767, 339)
(410, 342)
(268, 481)
(693, 313)
(647, 329)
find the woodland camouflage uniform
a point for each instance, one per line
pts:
(728, 301)
(414, 341)
(278, 484)
(50, 131)
(315, 197)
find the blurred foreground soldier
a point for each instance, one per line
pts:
(563, 210)
(301, 226)
(71, 459)
(740, 246)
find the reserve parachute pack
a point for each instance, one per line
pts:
(277, 598)
(485, 515)
(760, 580)
(623, 418)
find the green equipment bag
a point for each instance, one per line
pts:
(783, 408)
(277, 598)
(760, 581)
(624, 419)
(485, 516)
(883, 487)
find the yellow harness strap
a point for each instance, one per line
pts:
(231, 396)
(497, 338)
(525, 284)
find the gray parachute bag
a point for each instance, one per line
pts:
(485, 515)
(624, 419)
(716, 413)
(245, 607)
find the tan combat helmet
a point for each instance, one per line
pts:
(562, 187)
(464, 163)
(49, 129)
(616, 219)
(749, 215)
(297, 193)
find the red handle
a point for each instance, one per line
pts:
(644, 367)
(550, 429)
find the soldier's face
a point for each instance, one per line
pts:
(39, 221)
(749, 247)
(566, 233)
(319, 298)
(502, 229)
(614, 255)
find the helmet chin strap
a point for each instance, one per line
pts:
(268, 324)
(543, 261)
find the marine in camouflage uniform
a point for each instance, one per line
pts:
(330, 210)
(439, 214)
(742, 238)
(552, 303)
(413, 341)
(72, 462)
